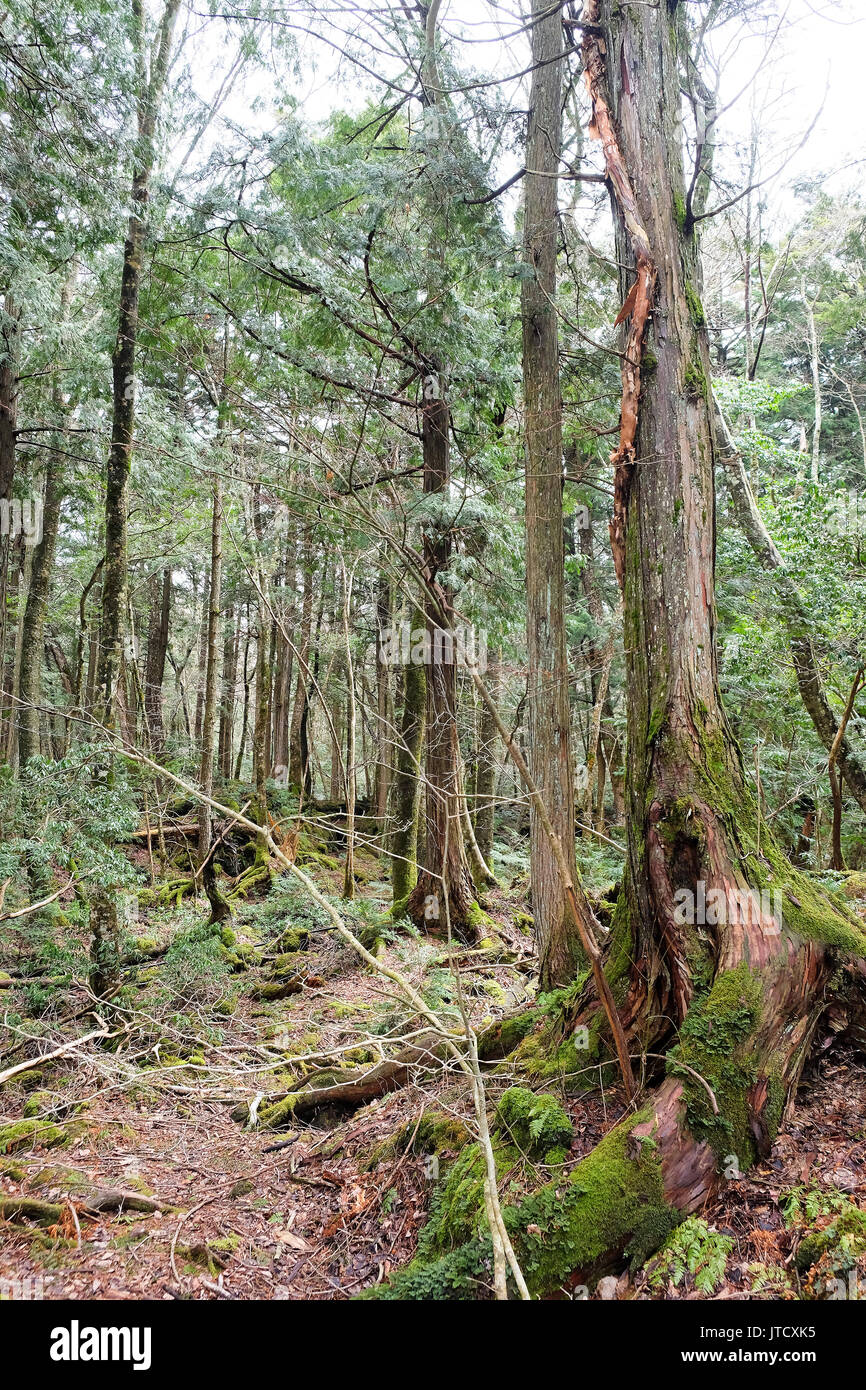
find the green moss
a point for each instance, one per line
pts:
(457, 1209)
(696, 308)
(293, 939)
(843, 1242)
(716, 1042)
(38, 1103)
(695, 380)
(536, 1123)
(225, 1245)
(612, 1206)
(680, 211)
(147, 947)
(435, 1133)
(503, 1036)
(278, 989)
(31, 1133)
(649, 361)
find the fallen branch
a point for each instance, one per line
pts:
(103, 1032)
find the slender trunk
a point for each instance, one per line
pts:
(231, 651)
(349, 872)
(814, 364)
(487, 765)
(384, 710)
(245, 714)
(298, 752)
(406, 791)
(32, 635)
(201, 666)
(260, 731)
(208, 731)
(549, 735)
(338, 708)
(10, 338)
(159, 588)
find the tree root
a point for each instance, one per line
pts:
(44, 1213)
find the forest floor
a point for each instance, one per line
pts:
(155, 1118)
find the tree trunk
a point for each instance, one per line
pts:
(208, 731)
(384, 708)
(298, 750)
(32, 640)
(549, 729)
(814, 365)
(743, 985)
(487, 765)
(406, 791)
(115, 576)
(10, 341)
(444, 863)
(351, 774)
(231, 651)
(159, 617)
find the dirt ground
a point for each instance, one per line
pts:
(314, 1212)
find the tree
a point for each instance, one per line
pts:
(549, 730)
(152, 71)
(692, 822)
(443, 894)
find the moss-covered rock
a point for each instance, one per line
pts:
(843, 1241)
(31, 1134)
(435, 1133)
(293, 939)
(278, 989)
(38, 1103)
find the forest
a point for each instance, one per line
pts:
(433, 652)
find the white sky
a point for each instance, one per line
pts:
(818, 56)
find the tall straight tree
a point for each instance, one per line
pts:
(151, 74)
(559, 949)
(443, 895)
(152, 71)
(743, 991)
(32, 633)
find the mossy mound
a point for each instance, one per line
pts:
(33, 1134)
(38, 1103)
(292, 939)
(536, 1123)
(435, 1133)
(609, 1209)
(839, 1245)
